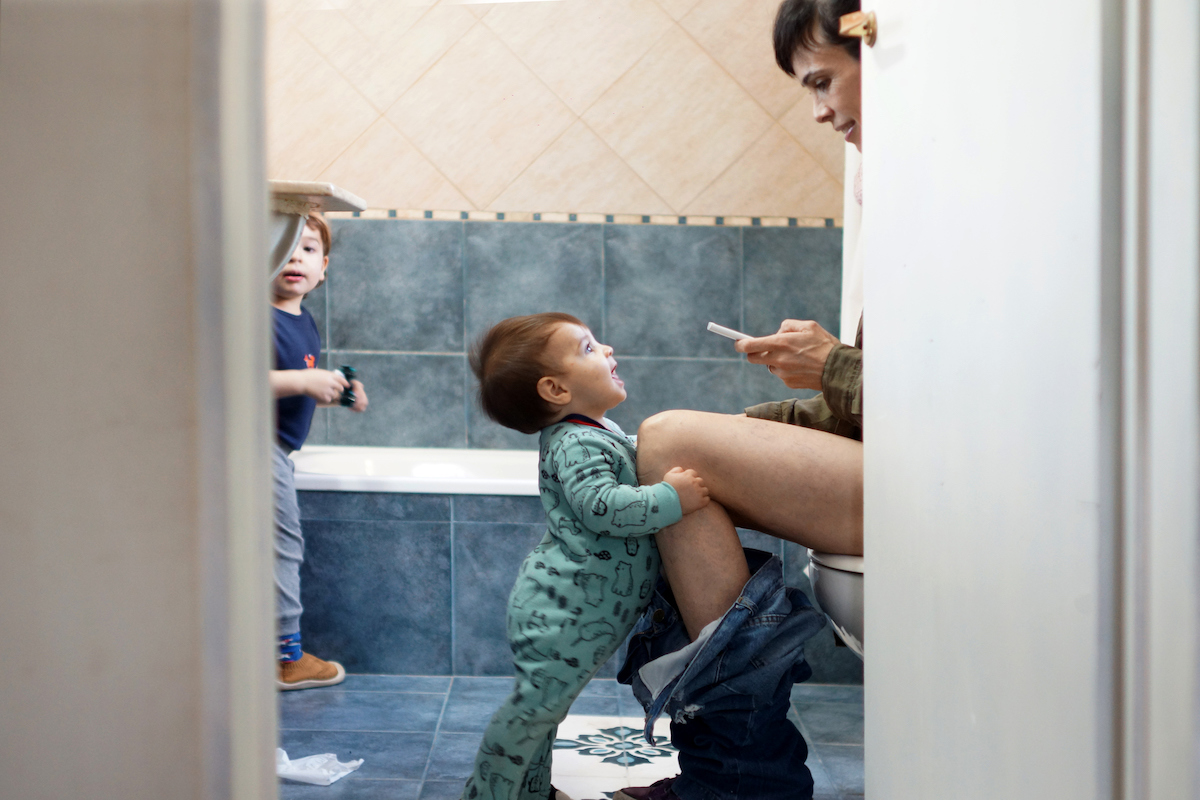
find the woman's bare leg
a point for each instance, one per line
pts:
(799, 484)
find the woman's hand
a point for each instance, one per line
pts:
(693, 494)
(796, 354)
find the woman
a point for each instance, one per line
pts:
(792, 469)
(801, 481)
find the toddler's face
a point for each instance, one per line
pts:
(587, 368)
(305, 269)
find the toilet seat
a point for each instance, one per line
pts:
(838, 561)
(837, 584)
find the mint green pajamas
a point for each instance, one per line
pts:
(577, 597)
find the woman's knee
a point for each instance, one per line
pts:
(662, 441)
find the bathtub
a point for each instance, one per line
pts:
(416, 470)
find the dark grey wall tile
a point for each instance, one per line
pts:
(665, 284)
(655, 384)
(482, 432)
(396, 285)
(318, 433)
(377, 595)
(314, 301)
(792, 273)
(374, 505)
(486, 559)
(526, 268)
(491, 508)
(415, 401)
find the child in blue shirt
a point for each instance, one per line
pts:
(299, 388)
(580, 591)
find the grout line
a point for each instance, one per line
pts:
(360, 730)
(603, 281)
(439, 353)
(453, 598)
(462, 257)
(742, 285)
(436, 732)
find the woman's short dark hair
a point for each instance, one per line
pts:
(808, 24)
(509, 360)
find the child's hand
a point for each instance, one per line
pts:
(360, 396)
(324, 386)
(693, 494)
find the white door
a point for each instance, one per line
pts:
(1032, 399)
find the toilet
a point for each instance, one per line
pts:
(837, 582)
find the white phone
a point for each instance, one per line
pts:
(728, 333)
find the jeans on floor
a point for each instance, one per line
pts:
(729, 705)
(289, 543)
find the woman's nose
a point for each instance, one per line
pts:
(821, 112)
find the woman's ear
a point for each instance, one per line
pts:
(553, 391)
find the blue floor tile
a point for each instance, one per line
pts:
(595, 706)
(453, 757)
(844, 763)
(349, 789)
(600, 687)
(827, 693)
(823, 785)
(831, 723)
(421, 684)
(385, 755)
(472, 703)
(337, 710)
(442, 790)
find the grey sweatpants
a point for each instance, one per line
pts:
(289, 544)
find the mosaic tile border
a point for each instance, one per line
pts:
(611, 219)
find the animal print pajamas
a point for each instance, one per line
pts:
(577, 596)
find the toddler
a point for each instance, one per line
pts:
(299, 387)
(580, 591)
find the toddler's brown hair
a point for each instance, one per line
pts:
(509, 360)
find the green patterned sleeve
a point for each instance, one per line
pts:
(588, 468)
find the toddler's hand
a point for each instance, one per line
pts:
(693, 494)
(324, 386)
(360, 396)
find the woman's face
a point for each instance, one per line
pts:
(834, 78)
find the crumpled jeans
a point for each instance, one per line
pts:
(729, 705)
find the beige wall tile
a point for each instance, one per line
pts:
(448, 197)
(677, 119)
(677, 8)
(383, 168)
(579, 47)
(313, 113)
(776, 177)
(383, 54)
(480, 116)
(579, 173)
(737, 33)
(824, 143)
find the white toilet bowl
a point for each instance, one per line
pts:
(837, 582)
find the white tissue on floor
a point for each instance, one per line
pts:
(321, 770)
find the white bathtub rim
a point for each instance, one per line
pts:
(503, 463)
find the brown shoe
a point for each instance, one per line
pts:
(309, 672)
